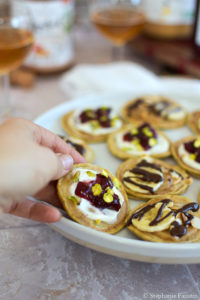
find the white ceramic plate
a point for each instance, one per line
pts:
(125, 244)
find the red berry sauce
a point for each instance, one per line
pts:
(190, 148)
(102, 115)
(84, 190)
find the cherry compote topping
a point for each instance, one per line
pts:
(189, 147)
(84, 190)
(102, 115)
(141, 136)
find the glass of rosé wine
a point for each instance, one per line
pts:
(16, 39)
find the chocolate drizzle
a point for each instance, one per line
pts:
(143, 186)
(147, 164)
(159, 107)
(177, 229)
(144, 175)
(134, 106)
(77, 147)
(139, 214)
(162, 108)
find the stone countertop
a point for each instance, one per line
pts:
(38, 263)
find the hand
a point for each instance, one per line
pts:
(31, 157)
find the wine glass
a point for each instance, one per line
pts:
(118, 20)
(16, 39)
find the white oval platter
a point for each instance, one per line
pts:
(125, 244)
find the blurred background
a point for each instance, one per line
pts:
(167, 40)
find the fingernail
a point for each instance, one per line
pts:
(67, 161)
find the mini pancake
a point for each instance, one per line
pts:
(126, 144)
(172, 219)
(91, 125)
(145, 177)
(160, 111)
(93, 197)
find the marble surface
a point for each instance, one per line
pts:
(38, 263)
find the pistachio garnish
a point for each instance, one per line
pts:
(127, 149)
(109, 191)
(104, 107)
(114, 121)
(108, 198)
(136, 142)
(152, 142)
(76, 176)
(134, 130)
(104, 173)
(117, 183)
(74, 199)
(147, 131)
(94, 124)
(193, 156)
(96, 189)
(197, 143)
(98, 221)
(91, 174)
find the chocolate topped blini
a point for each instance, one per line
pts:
(160, 111)
(172, 219)
(81, 147)
(92, 196)
(193, 121)
(145, 177)
(187, 153)
(143, 139)
(92, 125)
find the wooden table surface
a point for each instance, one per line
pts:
(38, 263)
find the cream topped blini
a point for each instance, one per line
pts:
(93, 197)
(92, 125)
(98, 121)
(139, 140)
(85, 206)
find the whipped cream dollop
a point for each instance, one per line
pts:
(85, 206)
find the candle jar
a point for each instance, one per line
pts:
(52, 23)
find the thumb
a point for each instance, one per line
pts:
(65, 164)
